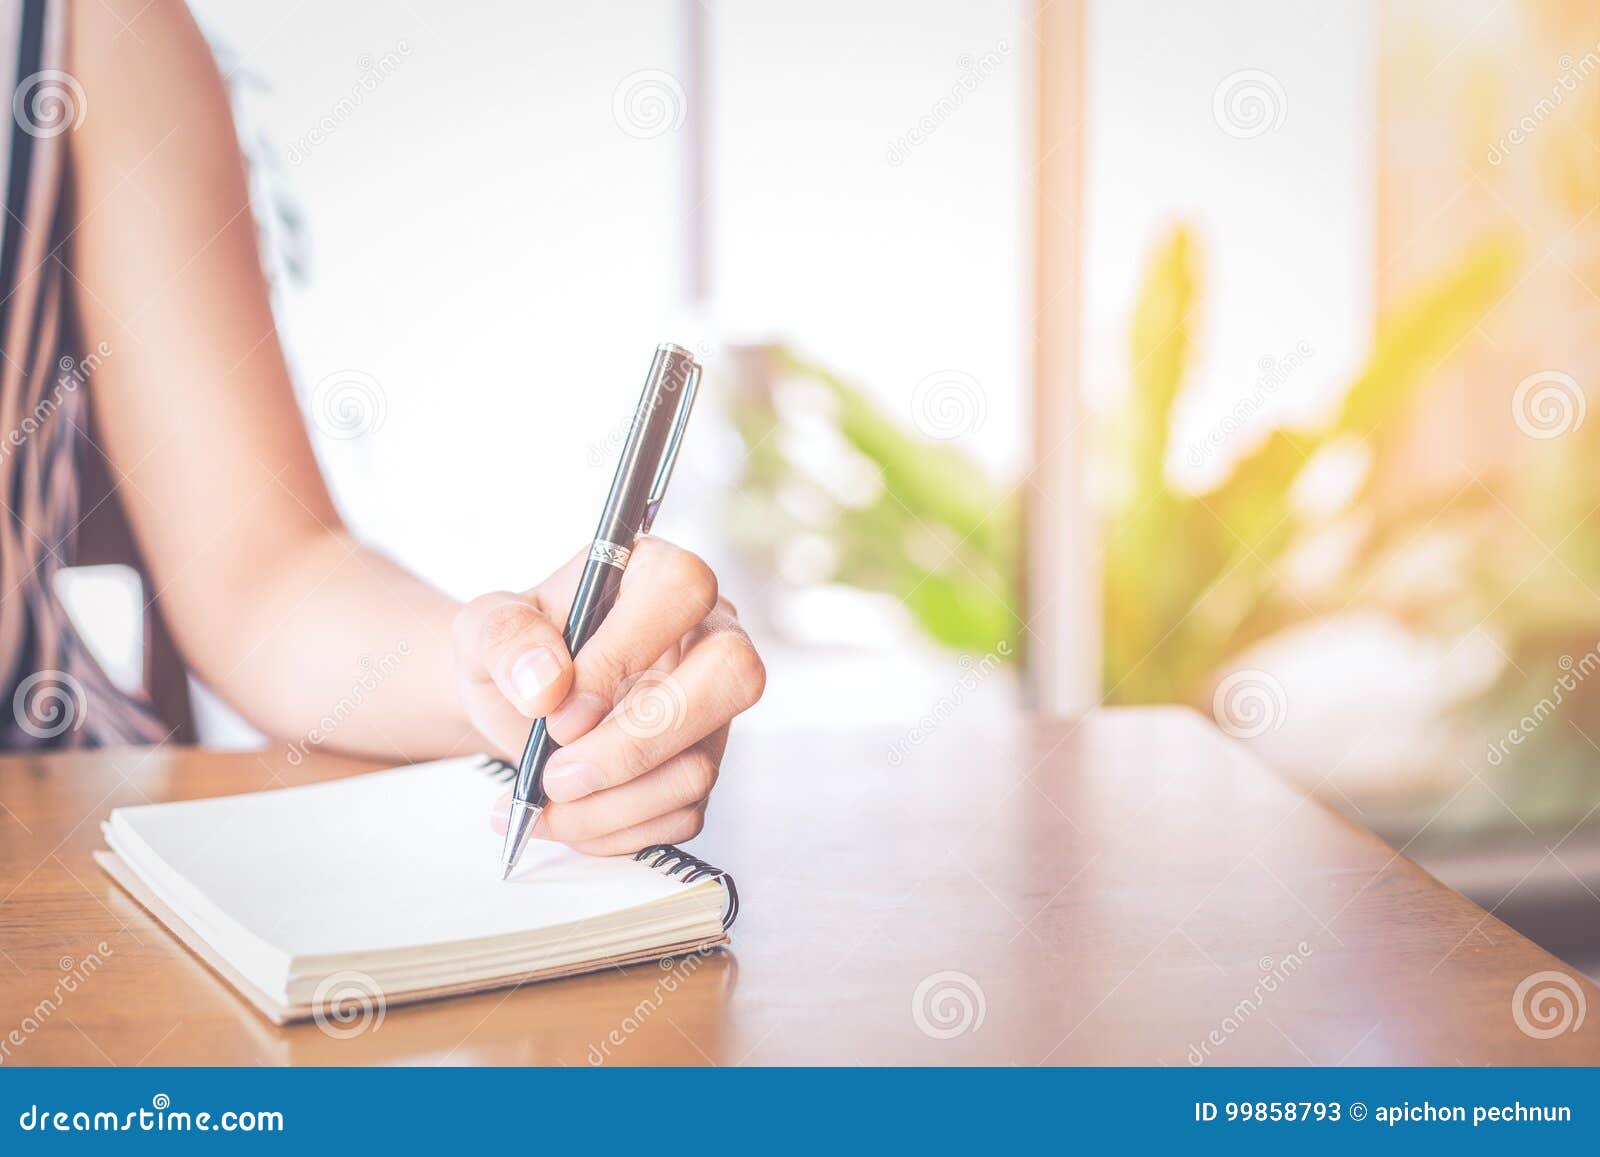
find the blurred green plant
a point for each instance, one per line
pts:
(1190, 579)
(864, 502)
(1194, 579)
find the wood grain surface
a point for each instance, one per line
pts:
(1126, 888)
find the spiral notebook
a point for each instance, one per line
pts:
(387, 886)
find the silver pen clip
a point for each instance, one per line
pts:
(669, 457)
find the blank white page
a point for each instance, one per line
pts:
(395, 859)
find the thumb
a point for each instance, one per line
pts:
(504, 641)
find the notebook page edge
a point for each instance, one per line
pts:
(275, 968)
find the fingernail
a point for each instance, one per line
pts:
(569, 781)
(500, 815)
(577, 716)
(533, 672)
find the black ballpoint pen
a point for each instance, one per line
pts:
(651, 450)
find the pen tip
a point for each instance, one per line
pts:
(519, 827)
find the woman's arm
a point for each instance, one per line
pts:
(270, 600)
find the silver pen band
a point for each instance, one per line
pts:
(609, 553)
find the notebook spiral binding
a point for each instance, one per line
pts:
(499, 769)
(667, 858)
(673, 859)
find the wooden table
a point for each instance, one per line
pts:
(1130, 887)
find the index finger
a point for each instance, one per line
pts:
(666, 591)
(664, 713)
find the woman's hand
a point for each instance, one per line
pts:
(641, 715)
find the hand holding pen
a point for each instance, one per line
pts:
(639, 718)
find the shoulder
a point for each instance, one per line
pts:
(151, 90)
(142, 60)
(132, 27)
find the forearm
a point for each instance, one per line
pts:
(316, 640)
(338, 648)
